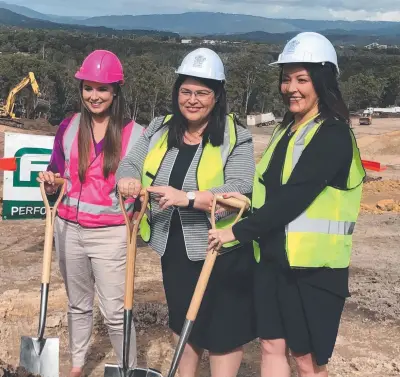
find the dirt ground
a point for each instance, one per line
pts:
(369, 338)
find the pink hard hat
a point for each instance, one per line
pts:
(101, 66)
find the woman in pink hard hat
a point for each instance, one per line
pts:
(90, 234)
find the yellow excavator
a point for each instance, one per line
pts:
(7, 109)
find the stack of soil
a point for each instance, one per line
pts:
(7, 370)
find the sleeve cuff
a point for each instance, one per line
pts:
(240, 233)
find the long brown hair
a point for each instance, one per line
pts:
(112, 138)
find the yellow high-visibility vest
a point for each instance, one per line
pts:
(210, 172)
(322, 235)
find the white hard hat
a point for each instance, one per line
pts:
(204, 63)
(308, 47)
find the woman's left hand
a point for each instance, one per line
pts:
(168, 196)
(218, 237)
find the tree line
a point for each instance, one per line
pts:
(367, 78)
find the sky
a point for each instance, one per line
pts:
(382, 10)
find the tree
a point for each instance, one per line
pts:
(391, 90)
(363, 90)
(243, 69)
(368, 78)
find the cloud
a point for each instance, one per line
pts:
(309, 9)
(365, 5)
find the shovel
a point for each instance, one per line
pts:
(202, 282)
(39, 355)
(111, 370)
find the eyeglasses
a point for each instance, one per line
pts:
(200, 94)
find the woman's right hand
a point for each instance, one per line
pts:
(236, 195)
(129, 187)
(48, 178)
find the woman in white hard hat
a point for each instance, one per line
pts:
(184, 159)
(306, 199)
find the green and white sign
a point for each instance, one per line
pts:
(21, 193)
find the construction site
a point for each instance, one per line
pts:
(368, 344)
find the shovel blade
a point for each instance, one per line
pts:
(40, 357)
(111, 370)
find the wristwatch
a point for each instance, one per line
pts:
(191, 196)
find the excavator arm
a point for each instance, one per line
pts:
(34, 84)
(8, 109)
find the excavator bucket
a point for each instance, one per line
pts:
(42, 105)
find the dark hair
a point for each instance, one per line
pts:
(330, 100)
(214, 132)
(112, 138)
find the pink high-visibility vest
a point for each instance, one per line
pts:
(93, 203)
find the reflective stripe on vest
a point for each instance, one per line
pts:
(210, 171)
(304, 224)
(96, 209)
(73, 128)
(322, 235)
(104, 209)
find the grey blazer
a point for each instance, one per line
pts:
(239, 174)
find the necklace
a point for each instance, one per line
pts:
(194, 137)
(191, 141)
(200, 132)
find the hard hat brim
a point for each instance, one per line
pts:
(274, 64)
(94, 78)
(280, 63)
(193, 74)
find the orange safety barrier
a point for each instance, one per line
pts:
(9, 164)
(373, 165)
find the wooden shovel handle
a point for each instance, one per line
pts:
(211, 257)
(234, 202)
(59, 180)
(132, 227)
(49, 229)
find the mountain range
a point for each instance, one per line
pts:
(9, 18)
(208, 23)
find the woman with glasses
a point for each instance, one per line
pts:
(183, 159)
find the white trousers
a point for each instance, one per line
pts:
(93, 260)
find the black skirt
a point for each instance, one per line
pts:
(289, 307)
(226, 318)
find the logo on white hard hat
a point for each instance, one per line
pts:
(291, 47)
(198, 61)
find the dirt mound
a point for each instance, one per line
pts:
(7, 370)
(383, 148)
(388, 143)
(36, 127)
(388, 187)
(381, 196)
(386, 205)
(41, 125)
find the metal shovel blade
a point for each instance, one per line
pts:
(40, 356)
(111, 370)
